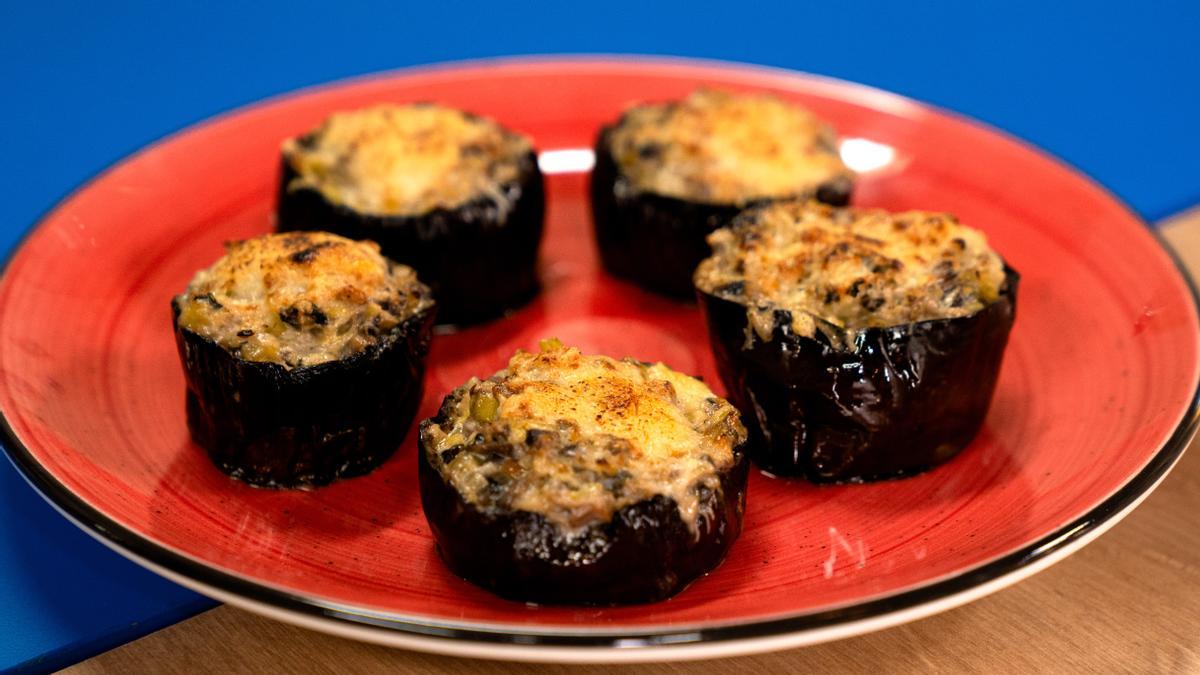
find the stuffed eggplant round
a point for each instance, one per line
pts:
(668, 174)
(456, 196)
(304, 355)
(575, 479)
(859, 344)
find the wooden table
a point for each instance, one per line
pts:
(1128, 602)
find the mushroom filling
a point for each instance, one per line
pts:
(407, 160)
(577, 437)
(720, 148)
(842, 270)
(300, 298)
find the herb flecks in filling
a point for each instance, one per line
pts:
(721, 148)
(300, 298)
(842, 270)
(406, 160)
(576, 438)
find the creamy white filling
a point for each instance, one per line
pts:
(407, 160)
(576, 438)
(300, 298)
(840, 270)
(716, 147)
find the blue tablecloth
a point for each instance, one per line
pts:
(1112, 88)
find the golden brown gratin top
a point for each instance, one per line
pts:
(406, 160)
(300, 298)
(840, 270)
(721, 148)
(577, 437)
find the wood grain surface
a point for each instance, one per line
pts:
(1128, 602)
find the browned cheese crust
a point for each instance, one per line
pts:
(405, 160)
(300, 298)
(720, 148)
(841, 270)
(576, 438)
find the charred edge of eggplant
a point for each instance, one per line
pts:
(656, 241)
(273, 427)
(479, 261)
(909, 398)
(646, 553)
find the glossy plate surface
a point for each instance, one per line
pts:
(1095, 401)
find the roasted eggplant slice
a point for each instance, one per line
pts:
(668, 174)
(858, 344)
(454, 195)
(304, 355)
(573, 479)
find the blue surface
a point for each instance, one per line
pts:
(64, 596)
(1110, 88)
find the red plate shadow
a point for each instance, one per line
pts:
(1095, 400)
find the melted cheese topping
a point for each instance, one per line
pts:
(576, 438)
(406, 160)
(841, 270)
(716, 147)
(300, 298)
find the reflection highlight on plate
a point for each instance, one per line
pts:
(569, 160)
(859, 154)
(863, 155)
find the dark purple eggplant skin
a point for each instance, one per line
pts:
(656, 241)
(907, 398)
(644, 554)
(273, 427)
(480, 262)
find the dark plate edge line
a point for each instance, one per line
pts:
(107, 529)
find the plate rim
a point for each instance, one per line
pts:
(608, 645)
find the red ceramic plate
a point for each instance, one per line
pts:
(1095, 403)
